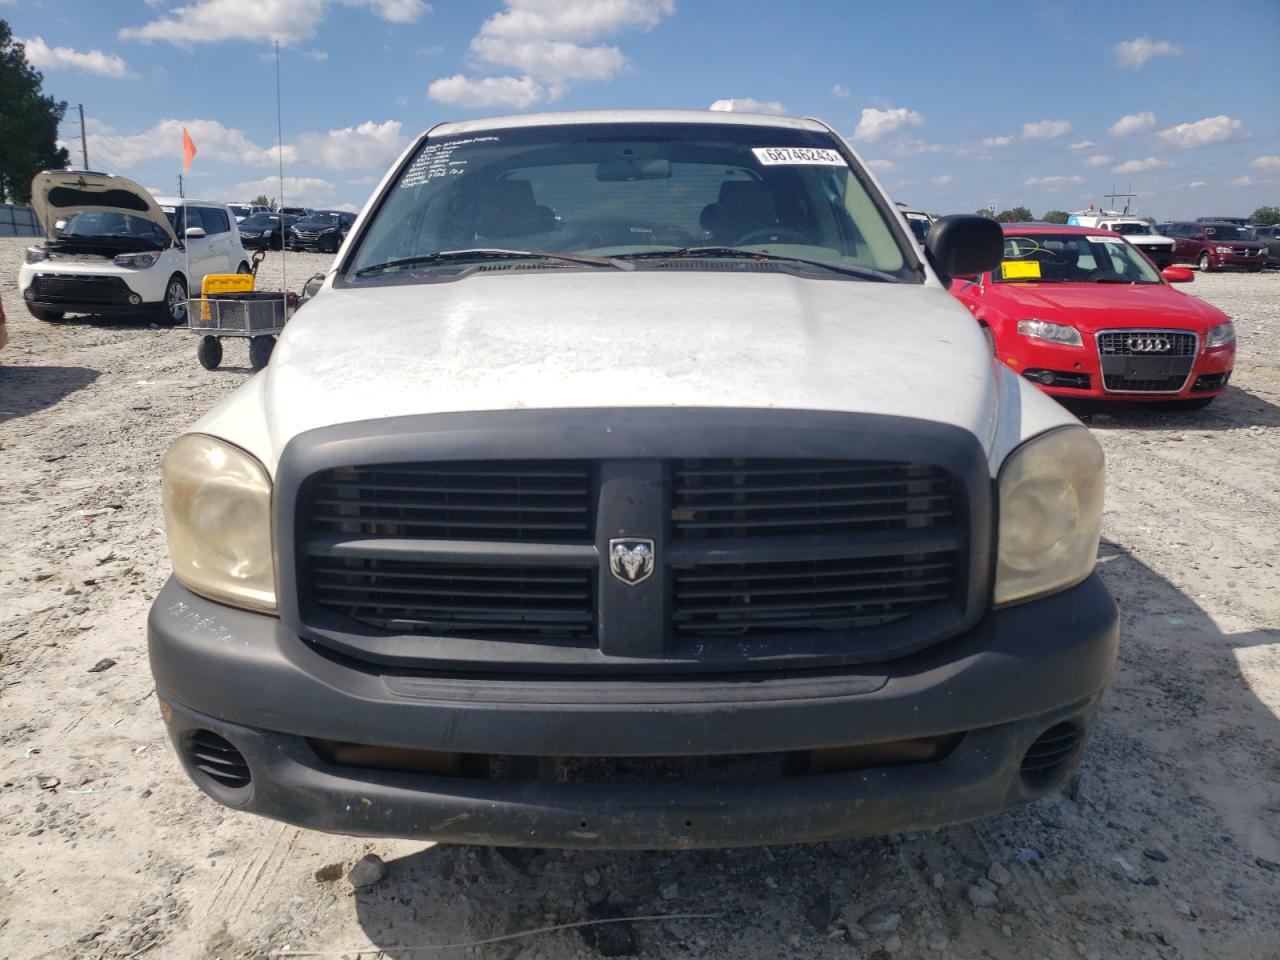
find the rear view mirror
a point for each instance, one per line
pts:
(1178, 274)
(194, 233)
(627, 168)
(964, 244)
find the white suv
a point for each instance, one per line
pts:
(113, 249)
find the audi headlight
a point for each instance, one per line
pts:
(217, 515)
(1050, 492)
(35, 255)
(136, 261)
(1221, 335)
(1051, 332)
(1222, 249)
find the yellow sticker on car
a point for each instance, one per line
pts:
(1020, 269)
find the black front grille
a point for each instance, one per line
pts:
(546, 604)
(746, 498)
(512, 501)
(737, 599)
(70, 288)
(1117, 343)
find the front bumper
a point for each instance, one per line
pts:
(1227, 260)
(1083, 365)
(81, 290)
(1002, 684)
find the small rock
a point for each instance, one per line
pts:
(669, 889)
(1183, 908)
(329, 873)
(999, 874)
(106, 663)
(1159, 856)
(1006, 931)
(981, 896)
(591, 877)
(48, 783)
(367, 871)
(893, 944)
(986, 884)
(881, 921)
(939, 881)
(937, 941)
(858, 933)
(793, 940)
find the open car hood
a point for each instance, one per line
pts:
(59, 194)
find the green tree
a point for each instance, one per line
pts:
(985, 212)
(1016, 215)
(1056, 216)
(262, 200)
(28, 123)
(1265, 216)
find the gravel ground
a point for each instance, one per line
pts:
(1169, 848)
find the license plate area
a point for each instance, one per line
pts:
(1149, 368)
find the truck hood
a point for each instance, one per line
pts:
(59, 194)
(561, 339)
(1090, 307)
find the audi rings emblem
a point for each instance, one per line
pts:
(1147, 344)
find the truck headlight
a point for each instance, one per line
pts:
(1052, 332)
(1221, 335)
(1050, 492)
(217, 515)
(1222, 249)
(36, 255)
(136, 261)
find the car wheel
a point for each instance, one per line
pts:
(209, 352)
(48, 316)
(173, 310)
(991, 339)
(243, 268)
(260, 351)
(1206, 265)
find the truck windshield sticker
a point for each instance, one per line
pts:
(1092, 238)
(436, 160)
(773, 156)
(1020, 269)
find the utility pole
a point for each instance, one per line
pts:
(180, 193)
(84, 141)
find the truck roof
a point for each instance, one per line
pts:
(567, 117)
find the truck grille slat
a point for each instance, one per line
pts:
(751, 497)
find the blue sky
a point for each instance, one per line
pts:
(956, 106)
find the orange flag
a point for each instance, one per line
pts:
(188, 150)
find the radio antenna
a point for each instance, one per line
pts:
(284, 276)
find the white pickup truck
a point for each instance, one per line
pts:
(633, 481)
(1158, 248)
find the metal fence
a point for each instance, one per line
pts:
(18, 222)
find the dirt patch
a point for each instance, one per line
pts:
(1170, 848)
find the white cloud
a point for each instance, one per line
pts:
(841, 91)
(164, 141)
(875, 124)
(881, 166)
(942, 181)
(1202, 132)
(1141, 166)
(367, 145)
(544, 40)
(1267, 164)
(348, 207)
(287, 21)
(1134, 53)
(749, 105)
(460, 91)
(997, 141)
(1245, 181)
(316, 56)
(1099, 160)
(1053, 183)
(44, 57)
(1083, 145)
(1045, 129)
(1197, 184)
(306, 191)
(1132, 123)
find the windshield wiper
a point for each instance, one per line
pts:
(490, 253)
(737, 253)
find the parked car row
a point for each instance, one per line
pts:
(1215, 244)
(321, 230)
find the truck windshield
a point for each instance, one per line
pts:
(1132, 229)
(1072, 258)
(1224, 231)
(632, 191)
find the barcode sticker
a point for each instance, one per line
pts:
(773, 156)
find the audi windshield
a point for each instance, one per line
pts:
(1072, 258)
(631, 196)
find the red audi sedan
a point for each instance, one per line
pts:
(1084, 314)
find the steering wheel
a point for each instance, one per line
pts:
(781, 234)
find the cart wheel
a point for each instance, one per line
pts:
(209, 353)
(260, 351)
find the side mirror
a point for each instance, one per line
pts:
(1178, 274)
(194, 233)
(964, 244)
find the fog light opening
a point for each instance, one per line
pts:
(134, 299)
(217, 762)
(1053, 754)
